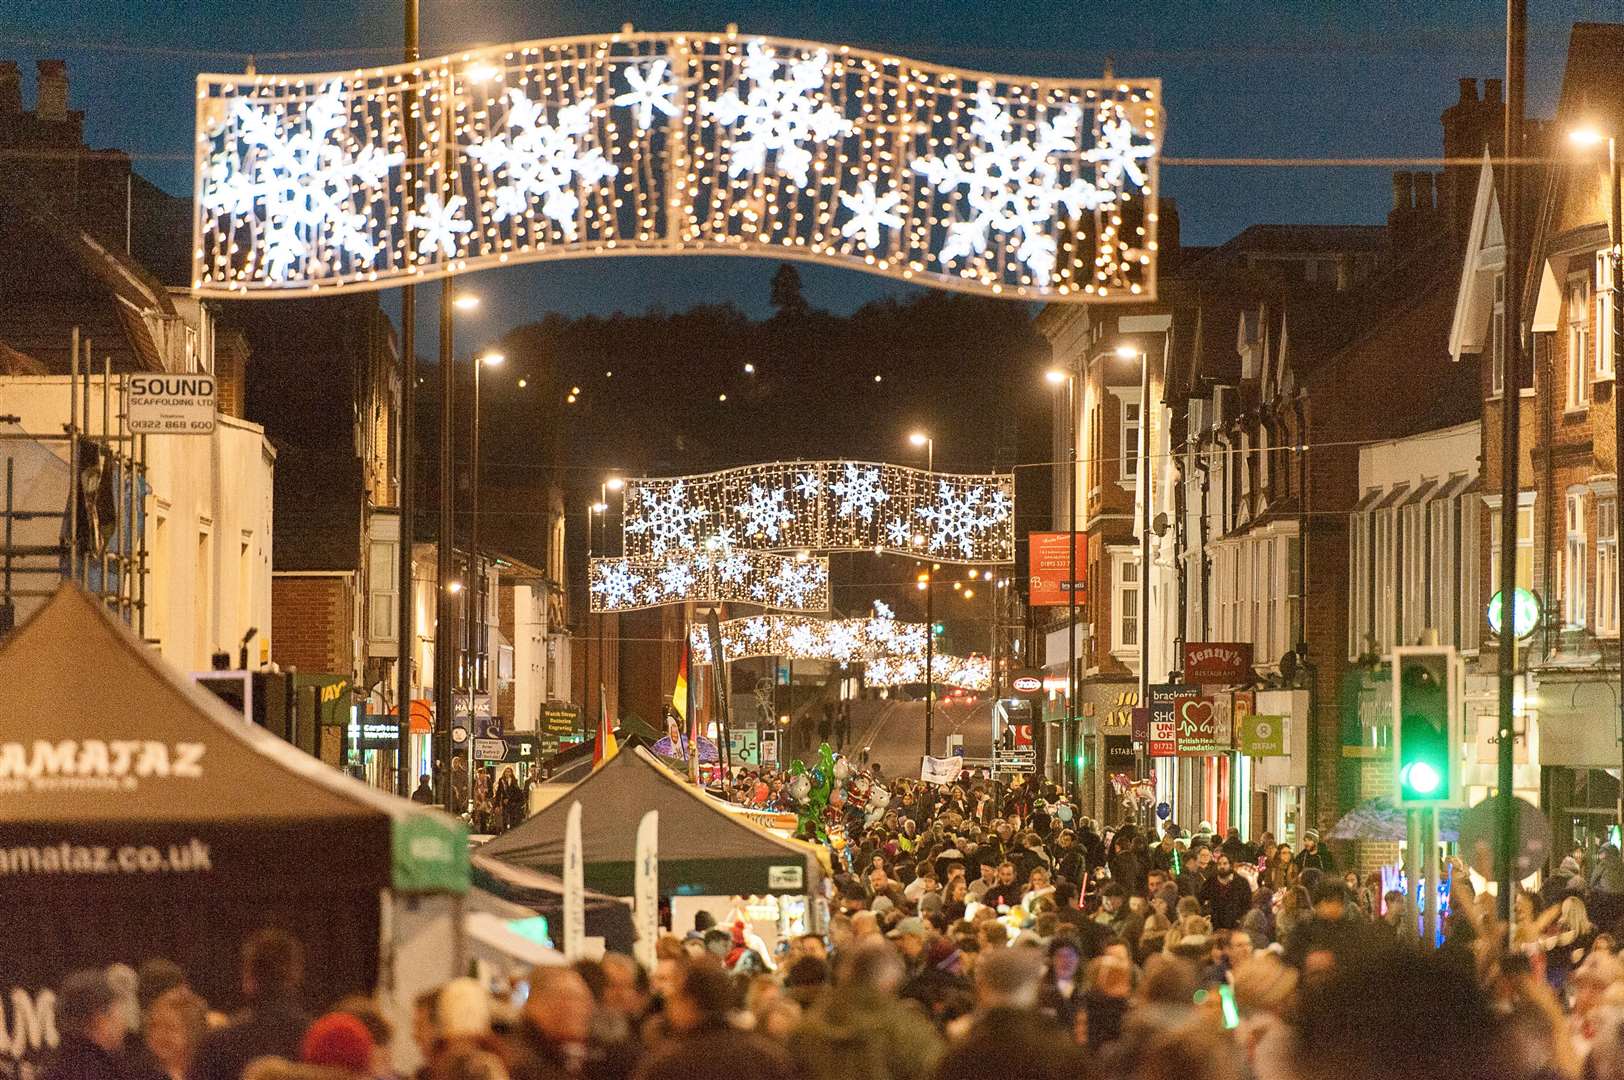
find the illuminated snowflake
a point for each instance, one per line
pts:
(1013, 185)
(808, 484)
(882, 610)
(798, 584)
(665, 517)
(870, 212)
(650, 91)
(534, 159)
(1118, 156)
(778, 115)
(961, 516)
(733, 568)
(440, 225)
(896, 533)
(616, 585)
(292, 174)
(802, 640)
(677, 578)
(764, 513)
(844, 640)
(861, 492)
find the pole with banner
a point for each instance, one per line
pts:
(648, 888)
(574, 886)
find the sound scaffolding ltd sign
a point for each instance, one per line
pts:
(170, 404)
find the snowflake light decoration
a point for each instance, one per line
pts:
(764, 513)
(799, 637)
(968, 672)
(663, 516)
(668, 143)
(291, 173)
(861, 491)
(778, 115)
(534, 159)
(824, 506)
(440, 225)
(649, 92)
(959, 516)
(1013, 185)
(1118, 154)
(870, 212)
(780, 582)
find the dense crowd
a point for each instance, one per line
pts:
(978, 932)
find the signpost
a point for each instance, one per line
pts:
(171, 404)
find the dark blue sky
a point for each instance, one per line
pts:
(1288, 78)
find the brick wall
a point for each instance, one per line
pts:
(312, 620)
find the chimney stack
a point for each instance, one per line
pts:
(1423, 192)
(11, 88)
(1491, 91)
(52, 104)
(1468, 91)
(1472, 126)
(1403, 192)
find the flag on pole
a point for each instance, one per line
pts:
(679, 696)
(647, 888)
(606, 747)
(574, 885)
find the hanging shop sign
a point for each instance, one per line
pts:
(677, 143)
(1195, 720)
(1261, 736)
(1220, 662)
(1163, 719)
(1052, 561)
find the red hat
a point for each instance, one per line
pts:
(340, 1041)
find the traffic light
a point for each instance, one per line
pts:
(1426, 732)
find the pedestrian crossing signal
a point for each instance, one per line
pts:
(1426, 730)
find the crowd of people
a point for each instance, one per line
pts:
(981, 931)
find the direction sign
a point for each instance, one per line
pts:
(170, 404)
(490, 750)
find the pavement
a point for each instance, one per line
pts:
(893, 731)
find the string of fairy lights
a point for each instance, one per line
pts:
(639, 143)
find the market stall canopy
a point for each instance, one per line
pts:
(143, 817)
(543, 894)
(704, 850)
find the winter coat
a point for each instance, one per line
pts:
(858, 1034)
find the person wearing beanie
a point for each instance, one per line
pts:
(91, 1025)
(339, 1041)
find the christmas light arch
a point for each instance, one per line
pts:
(677, 143)
(778, 582)
(799, 637)
(967, 672)
(822, 506)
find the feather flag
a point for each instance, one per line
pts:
(606, 747)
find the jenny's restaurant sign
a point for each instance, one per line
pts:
(1222, 662)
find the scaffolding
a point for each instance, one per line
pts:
(73, 505)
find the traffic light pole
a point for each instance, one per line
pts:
(1429, 876)
(1510, 408)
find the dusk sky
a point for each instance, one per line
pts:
(1353, 78)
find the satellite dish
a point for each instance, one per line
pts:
(1288, 667)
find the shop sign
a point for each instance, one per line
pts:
(1027, 682)
(1262, 736)
(1119, 754)
(1223, 662)
(1051, 558)
(561, 721)
(1197, 726)
(1141, 725)
(170, 404)
(1162, 734)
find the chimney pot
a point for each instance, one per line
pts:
(52, 104)
(11, 88)
(1468, 90)
(1491, 90)
(1423, 191)
(1403, 190)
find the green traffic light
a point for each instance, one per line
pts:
(1421, 778)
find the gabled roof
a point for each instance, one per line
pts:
(1485, 245)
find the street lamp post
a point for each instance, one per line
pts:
(477, 599)
(919, 438)
(1615, 256)
(1069, 735)
(1127, 352)
(406, 434)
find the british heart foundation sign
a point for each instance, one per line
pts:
(1196, 723)
(1222, 662)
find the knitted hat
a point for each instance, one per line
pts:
(339, 1041)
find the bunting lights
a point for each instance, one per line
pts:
(969, 672)
(826, 506)
(797, 637)
(781, 582)
(675, 143)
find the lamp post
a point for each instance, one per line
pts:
(406, 434)
(1068, 733)
(445, 658)
(1127, 352)
(1585, 137)
(475, 641)
(920, 438)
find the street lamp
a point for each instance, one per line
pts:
(1068, 733)
(921, 438)
(1588, 137)
(1130, 352)
(475, 637)
(465, 301)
